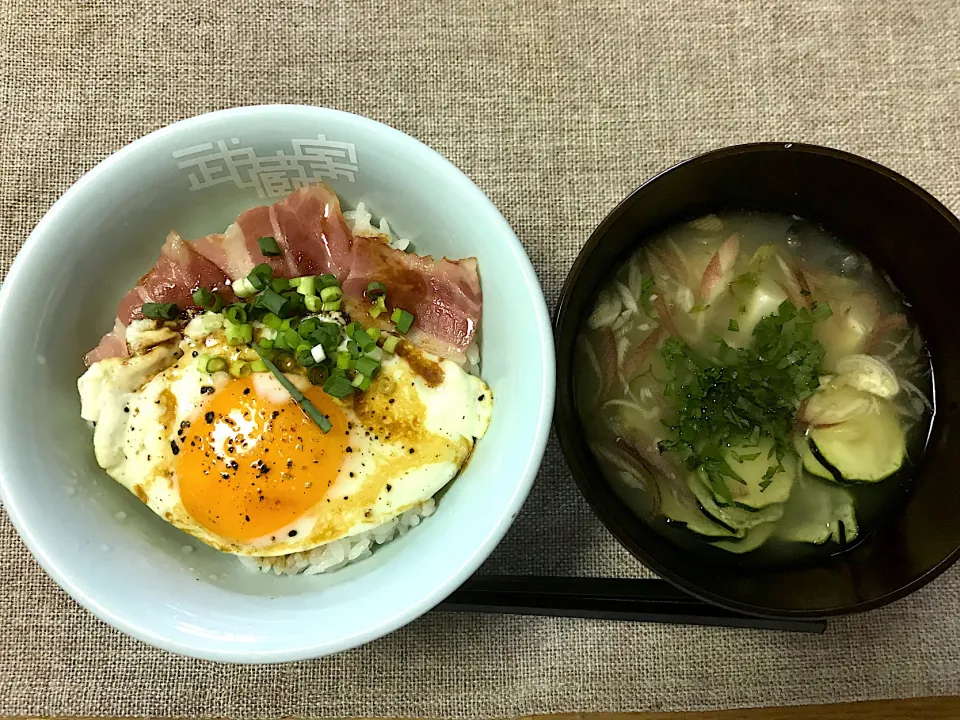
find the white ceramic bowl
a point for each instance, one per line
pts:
(108, 550)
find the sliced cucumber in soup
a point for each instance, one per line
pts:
(754, 538)
(752, 464)
(867, 448)
(681, 508)
(731, 516)
(817, 513)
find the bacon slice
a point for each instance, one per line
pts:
(179, 271)
(113, 344)
(444, 295)
(313, 234)
(308, 227)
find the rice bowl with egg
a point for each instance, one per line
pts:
(273, 396)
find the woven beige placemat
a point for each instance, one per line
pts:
(557, 109)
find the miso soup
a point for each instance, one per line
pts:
(754, 388)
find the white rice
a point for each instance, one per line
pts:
(340, 553)
(360, 222)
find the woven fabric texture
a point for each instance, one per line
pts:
(556, 109)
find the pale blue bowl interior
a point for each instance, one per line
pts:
(107, 549)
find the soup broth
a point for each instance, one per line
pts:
(754, 389)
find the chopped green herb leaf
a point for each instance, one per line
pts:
(733, 326)
(298, 397)
(742, 395)
(403, 319)
(160, 311)
(268, 246)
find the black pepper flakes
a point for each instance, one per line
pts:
(349, 449)
(389, 487)
(205, 390)
(481, 398)
(209, 417)
(292, 533)
(126, 409)
(174, 447)
(246, 391)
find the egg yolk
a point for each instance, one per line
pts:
(248, 467)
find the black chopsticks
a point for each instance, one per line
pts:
(605, 599)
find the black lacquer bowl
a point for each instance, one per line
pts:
(901, 228)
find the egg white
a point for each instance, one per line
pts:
(402, 452)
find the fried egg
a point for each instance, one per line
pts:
(236, 463)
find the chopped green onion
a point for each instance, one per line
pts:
(331, 294)
(733, 326)
(260, 276)
(265, 344)
(305, 355)
(289, 323)
(208, 300)
(313, 303)
(272, 321)
(243, 288)
(353, 349)
(258, 366)
(306, 285)
(367, 366)
(374, 333)
(238, 334)
(216, 365)
(356, 332)
(361, 382)
(390, 344)
(298, 397)
(284, 361)
(331, 306)
(403, 319)
(375, 354)
(273, 301)
(295, 304)
(344, 361)
(379, 306)
(268, 246)
(318, 353)
(295, 282)
(376, 289)
(236, 313)
(161, 311)
(239, 368)
(308, 326)
(280, 284)
(337, 384)
(202, 361)
(318, 375)
(327, 280)
(291, 336)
